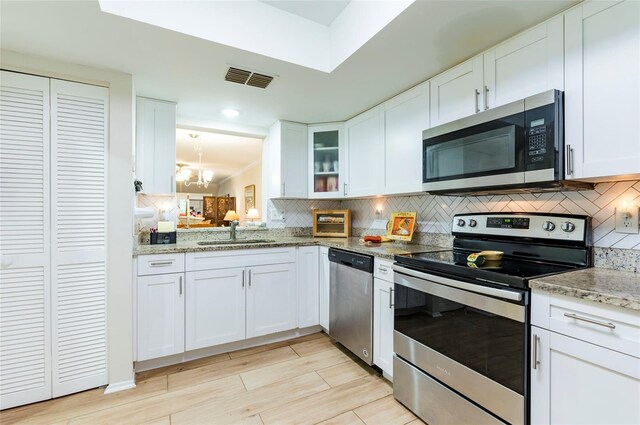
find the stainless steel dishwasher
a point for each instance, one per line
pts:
(351, 302)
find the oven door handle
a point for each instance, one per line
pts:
(479, 289)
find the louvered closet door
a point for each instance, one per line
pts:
(25, 344)
(79, 116)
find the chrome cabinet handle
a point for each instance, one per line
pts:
(173, 186)
(283, 187)
(344, 189)
(249, 278)
(569, 160)
(477, 96)
(535, 361)
(486, 97)
(180, 285)
(161, 263)
(391, 298)
(586, 319)
(243, 272)
(383, 270)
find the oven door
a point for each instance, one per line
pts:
(466, 154)
(471, 338)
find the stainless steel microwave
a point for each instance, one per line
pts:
(518, 146)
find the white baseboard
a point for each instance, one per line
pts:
(224, 348)
(120, 386)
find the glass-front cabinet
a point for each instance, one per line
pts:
(327, 161)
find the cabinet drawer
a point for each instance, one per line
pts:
(239, 258)
(160, 264)
(612, 327)
(382, 270)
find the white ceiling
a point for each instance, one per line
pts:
(225, 154)
(427, 38)
(322, 12)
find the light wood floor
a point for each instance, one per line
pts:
(308, 380)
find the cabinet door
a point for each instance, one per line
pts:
(156, 145)
(25, 283)
(365, 154)
(294, 163)
(160, 305)
(405, 117)
(581, 383)
(527, 64)
(308, 287)
(272, 302)
(215, 307)
(327, 161)
(602, 93)
(456, 93)
(383, 325)
(324, 287)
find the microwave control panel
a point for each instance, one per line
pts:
(540, 138)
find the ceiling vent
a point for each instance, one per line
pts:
(249, 78)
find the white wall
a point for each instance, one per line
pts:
(120, 196)
(235, 185)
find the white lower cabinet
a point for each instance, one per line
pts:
(215, 307)
(383, 325)
(160, 315)
(271, 299)
(585, 362)
(308, 287)
(383, 316)
(324, 287)
(576, 382)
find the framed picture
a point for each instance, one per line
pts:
(249, 197)
(401, 226)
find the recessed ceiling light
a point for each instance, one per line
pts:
(230, 113)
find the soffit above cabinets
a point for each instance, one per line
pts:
(314, 34)
(428, 37)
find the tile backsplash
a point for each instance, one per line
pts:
(435, 213)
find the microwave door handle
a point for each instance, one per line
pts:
(500, 293)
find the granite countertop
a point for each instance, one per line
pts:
(614, 287)
(383, 250)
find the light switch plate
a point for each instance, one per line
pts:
(627, 220)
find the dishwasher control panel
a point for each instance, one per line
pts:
(351, 259)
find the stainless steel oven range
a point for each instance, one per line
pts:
(461, 329)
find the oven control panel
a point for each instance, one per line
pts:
(538, 226)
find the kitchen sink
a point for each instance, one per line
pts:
(236, 242)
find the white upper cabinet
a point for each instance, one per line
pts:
(156, 145)
(404, 118)
(327, 161)
(602, 90)
(527, 64)
(365, 154)
(287, 158)
(456, 93)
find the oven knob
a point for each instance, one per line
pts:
(548, 226)
(473, 223)
(461, 222)
(568, 227)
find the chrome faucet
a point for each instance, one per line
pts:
(233, 225)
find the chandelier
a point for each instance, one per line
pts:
(204, 176)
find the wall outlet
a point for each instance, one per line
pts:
(277, 215)
(627, 220)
